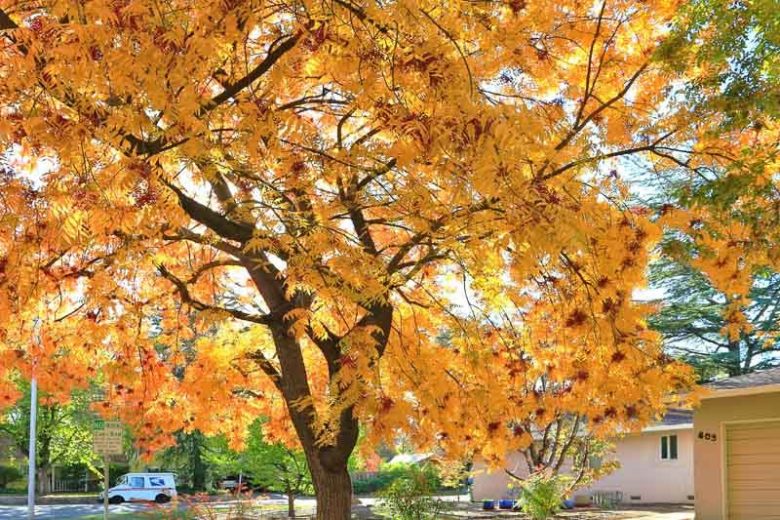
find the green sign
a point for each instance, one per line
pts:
(107, 437)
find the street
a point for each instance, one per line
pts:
(53, 512)
(56, 512)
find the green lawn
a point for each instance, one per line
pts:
(188, 514)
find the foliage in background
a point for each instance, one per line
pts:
(692, 319)
(187, 459)
(410, 497)
(271, 466)
(9, 474)
(543, 494)
(737, 45)
(719, 258)
(387, 474)
(64, 432)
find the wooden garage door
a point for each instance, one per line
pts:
(753, 458)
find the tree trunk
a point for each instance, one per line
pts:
(734, 362)
(290, 503)
(44, 483)
(334, 493)
(198, 466)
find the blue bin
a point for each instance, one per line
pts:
(488, 505)
(506, 504)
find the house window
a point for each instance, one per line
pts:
(669, 447)
(595, 461)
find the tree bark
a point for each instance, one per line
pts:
(43, 484)
(198, 466)
(290, 503)
(333, 488)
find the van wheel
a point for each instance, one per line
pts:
(116, 499)
(162, 499)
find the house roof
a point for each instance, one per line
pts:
(674, 419)
(758, 382)
(410, 458)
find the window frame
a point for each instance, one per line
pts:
(669, 449)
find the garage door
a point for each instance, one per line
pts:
(753, 457)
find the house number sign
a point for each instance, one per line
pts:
(707, 436)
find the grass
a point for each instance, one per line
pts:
(208, 512)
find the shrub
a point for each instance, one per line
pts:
(9, 474)
(409, 497)
(542, 495)
(389, 473)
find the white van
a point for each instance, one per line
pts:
(133, 487)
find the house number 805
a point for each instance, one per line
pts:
(708, 436)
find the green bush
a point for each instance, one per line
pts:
(410, 496)
(388, 474)
(542, 495)
(383, 478)
(9, 474)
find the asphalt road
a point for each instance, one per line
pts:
(65, 511)
(74, 511)
(57, 512)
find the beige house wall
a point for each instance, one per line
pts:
(642, 472)
(711, 418)
(493, 484)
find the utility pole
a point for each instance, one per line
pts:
(31, 449)
(105, 487)
(33, 425)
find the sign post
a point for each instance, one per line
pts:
(107, 441)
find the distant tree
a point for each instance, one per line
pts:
(64, 433)
(740, 43)
(693, 321)
(273, 466)
(186, 457)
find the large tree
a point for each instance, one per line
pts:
(330, 186)
(693, 319)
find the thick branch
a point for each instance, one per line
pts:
(231, 90)
(6, 22)
(181, 287)
(221, 225)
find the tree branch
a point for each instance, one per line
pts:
(181, 287)
(221, 225)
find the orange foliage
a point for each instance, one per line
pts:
(219, 210)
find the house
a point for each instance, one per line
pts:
(737, 448)
(411, 458)
(656, 466)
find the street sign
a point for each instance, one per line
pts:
(107, 437)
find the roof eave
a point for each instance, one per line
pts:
(668, 427)
(736, 392)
